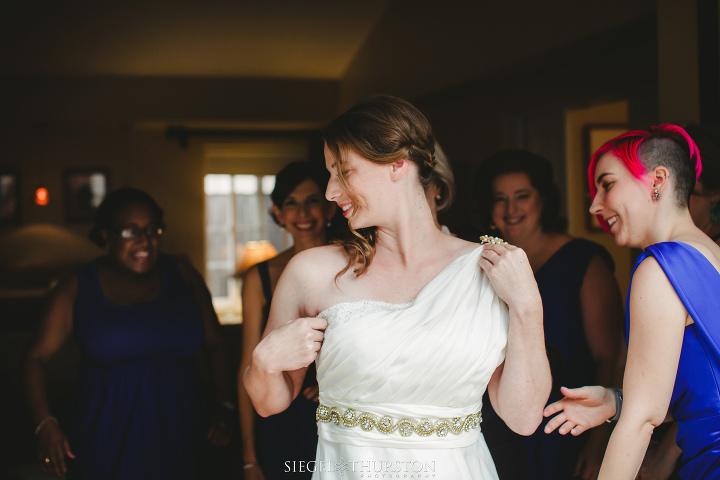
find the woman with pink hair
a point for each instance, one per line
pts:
(641, 183)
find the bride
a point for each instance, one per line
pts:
(409, 325)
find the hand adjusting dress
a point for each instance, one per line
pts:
(425, 361)
(695, 401)
(290, 436)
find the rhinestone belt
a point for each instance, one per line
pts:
(405, 426)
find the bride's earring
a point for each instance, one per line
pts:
(656, 195)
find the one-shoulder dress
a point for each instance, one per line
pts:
(138, 412)
(695, 401)
(401, 385)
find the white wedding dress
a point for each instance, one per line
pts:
(424, 365)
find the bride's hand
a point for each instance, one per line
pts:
(510, 274)
(293, 346)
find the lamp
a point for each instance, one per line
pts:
(42, 197)
(254, 253)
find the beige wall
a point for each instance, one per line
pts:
(576, 171)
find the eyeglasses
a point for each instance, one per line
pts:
(134, 233)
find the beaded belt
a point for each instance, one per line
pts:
(405, 426)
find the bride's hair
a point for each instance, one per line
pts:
(643, 150)
(381, 129)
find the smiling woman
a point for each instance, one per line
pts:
(301, 209)
(405, 322)
(139, 318)
(581, 302)
(641, 183)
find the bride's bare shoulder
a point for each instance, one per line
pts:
(318, 262)
(460, 246)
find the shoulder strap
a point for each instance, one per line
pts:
(264, 272)
(697, 285)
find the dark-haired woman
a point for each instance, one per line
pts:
(411, 321)
(299, 206)
(139, 318)
(581, 301)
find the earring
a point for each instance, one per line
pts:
(438, 197)
(656, 195)
(328, 224)
(715, 212)
(492, 226)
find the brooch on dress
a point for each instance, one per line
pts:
(485, 239)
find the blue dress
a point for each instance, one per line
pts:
(138, 405)
(695, 401)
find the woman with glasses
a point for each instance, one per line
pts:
(139, 318)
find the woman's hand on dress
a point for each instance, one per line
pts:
(53, 447)
(581, 409)
(511, 276)
(312, 393)
(292, 346)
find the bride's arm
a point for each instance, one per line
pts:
(521, 385)
(290, 343)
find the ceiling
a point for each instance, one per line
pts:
(300, 39)
(409, 48)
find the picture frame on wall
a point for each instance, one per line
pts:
(594, 137)
(9, 197)
(85, 189)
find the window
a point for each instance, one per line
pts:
(239, 177)
(237, 212)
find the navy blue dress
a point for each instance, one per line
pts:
(138, 408)
(288, 438)
(553, 456)
(695, 401)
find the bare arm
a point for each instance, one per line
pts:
(253, 302)
(657, 323)
(290, 343)
(216, 349)
(55, 328)
(521, 385)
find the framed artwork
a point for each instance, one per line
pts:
(594, 136)
(9, 197)
(85, 188)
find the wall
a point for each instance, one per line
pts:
(576, 120)
(526, 108)
(52, 124)
(420, 47)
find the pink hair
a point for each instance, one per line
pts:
(626, 148)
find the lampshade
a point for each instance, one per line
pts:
(254, 253)
(44, 245)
